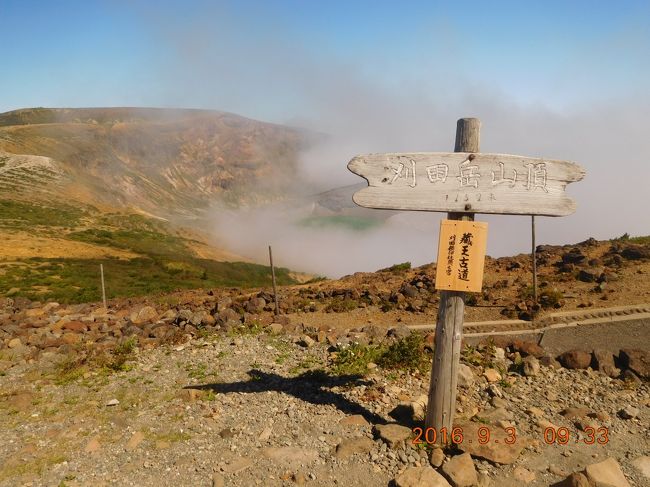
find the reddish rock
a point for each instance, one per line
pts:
(638, 361)
(603, 361)
(528, 348)
(575, 359)
(575, 413)
(574, 480)
(70, 338)
(548, 361)
(144, 315)
(350, 446)
(420, 477)
(76, 326)
(607, 472)
(492, 451)
(460, 471)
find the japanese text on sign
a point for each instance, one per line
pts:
(461, 255)
(531, 176)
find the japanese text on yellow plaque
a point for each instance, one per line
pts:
(461, 255)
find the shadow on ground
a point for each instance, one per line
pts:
(312, 387)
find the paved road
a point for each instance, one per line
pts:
(608, 336)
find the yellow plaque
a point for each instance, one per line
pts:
(461, 255)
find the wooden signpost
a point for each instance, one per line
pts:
(462, 183)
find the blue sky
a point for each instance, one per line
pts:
(223, 55)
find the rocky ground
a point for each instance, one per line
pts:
(261, 406)
(209, 388)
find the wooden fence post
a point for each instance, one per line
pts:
(532, 217)
(275, 290)
(101, 271)
(449, 330)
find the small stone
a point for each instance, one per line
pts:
(420, 477)
(393, 434)
(535, 411)
(436, 457)
(530, 366)
(265, 434)
(577, 479)
(218, 480)
(14, 343)
(238, 465)
(275, 328)
(354, 420)
(629, 412)
(642, 465)
(135, 441)
(93, 445)
(350, 446)
(460, 471)
(492, 375)
(191, 395)
(523, 474)
(466, 377)
(290, 454)
(607, 472)
(557, 470)
(575, 413)
(227, 433)
(299, 478)
(306, 341)
(113, 402)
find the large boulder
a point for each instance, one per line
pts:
(493, 451)
(460, 471)
(638, 361)
(606, 473)
(575, 359)
(146, 314)
(394, 435)
(603, 361)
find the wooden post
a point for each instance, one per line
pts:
(101, 271)
(275, 290)
(449, 330)
(534, 260)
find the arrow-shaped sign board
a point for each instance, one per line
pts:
(466, 182)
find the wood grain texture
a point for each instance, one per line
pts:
(441, 405)
(466, 182)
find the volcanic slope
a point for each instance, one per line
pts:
(81, 185)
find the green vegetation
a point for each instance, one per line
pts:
(22, 215)
(397, 268)
(341, 306)
(145, 242)
(165, 263)
(482, 355)
(643, 240)
(407, 353)
(547, 297)
(355, 358)
(347, 222)
(76, 365)
(77, 280)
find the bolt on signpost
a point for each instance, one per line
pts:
(461, 183)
